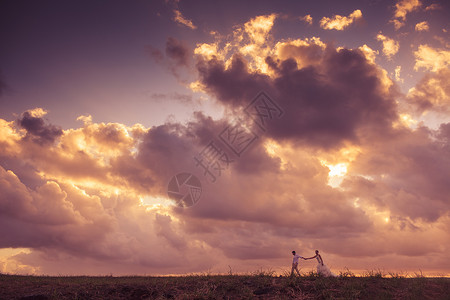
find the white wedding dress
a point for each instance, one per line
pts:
(322, 269)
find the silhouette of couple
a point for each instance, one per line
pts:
(322, 269)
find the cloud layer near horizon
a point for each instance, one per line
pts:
(91, 196)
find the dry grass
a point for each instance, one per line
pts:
(259, 285)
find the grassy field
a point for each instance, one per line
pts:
(257, 286)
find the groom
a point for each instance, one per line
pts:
(295, 263)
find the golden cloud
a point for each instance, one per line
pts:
(390, 46)
(250, 39)
(402, 8)
(338, 22)
(179, 18)
(307, 19)
(432, 93)
(422, 26)
(431, 59)
(9, 137)
(208, 51)
(259, 27)
(37, 112)
(369, 53)
(303, 51)
(397, 71)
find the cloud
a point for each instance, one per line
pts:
(44, 216)
(338, 22)
(81, 214)
(430, 58)
(36, 128)
(259, 27)
(442, 41)
(207, 50)
(433, 6)
(179, 18)
(369, 53)
(397, 71)
(270, 198)
(305, 52)
(177, 57)
(252, 40)
(178, 52)
(155, 53)
(402, 8)
(390, 46)
(322, 81)
(432, 93)
(422, 26)
(182, 98)
(307, 19)
(414, 183)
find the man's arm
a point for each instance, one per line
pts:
(310, 257)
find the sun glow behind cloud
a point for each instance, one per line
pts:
(8, 265)
(336, 174)
(156, 202)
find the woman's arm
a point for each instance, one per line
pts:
(311, 257)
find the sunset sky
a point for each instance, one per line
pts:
(103, 102)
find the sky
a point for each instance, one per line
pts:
(180, 137)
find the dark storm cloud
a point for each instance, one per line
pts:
(38, 130)
(164, 149)
(326, 102)
(161, 154)
(309, 54)
(234, 86)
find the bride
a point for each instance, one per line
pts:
(322, 269)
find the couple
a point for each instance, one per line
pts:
(322, 269)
